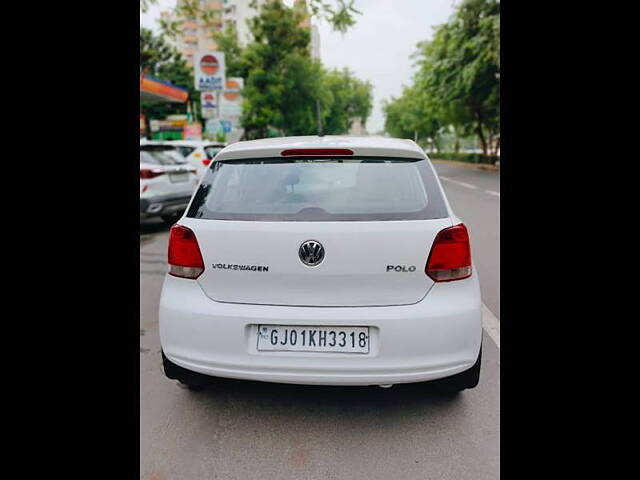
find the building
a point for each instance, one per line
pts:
(315, 42)
(357, 128)
(315, 34)
(237, 12)
(196, 34)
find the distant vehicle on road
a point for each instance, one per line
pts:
(199, 153)
(321, 260)
(167, 182)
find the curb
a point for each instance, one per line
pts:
(475, 166)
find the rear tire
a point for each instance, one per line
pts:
(461, 381)
(194, 381)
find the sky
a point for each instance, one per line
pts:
(376, 48)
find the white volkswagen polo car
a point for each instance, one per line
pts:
(321, 260)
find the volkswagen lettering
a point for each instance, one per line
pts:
(324, 261)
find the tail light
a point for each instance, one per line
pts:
(185, 259)
(450, 256)
(206, 162)
(148, 173)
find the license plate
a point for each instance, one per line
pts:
(313, 339)
(179, 177)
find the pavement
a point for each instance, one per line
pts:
(254, 430)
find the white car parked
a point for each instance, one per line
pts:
(199, 153)
(321, 260)
(167, 182)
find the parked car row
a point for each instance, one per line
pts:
(169, 173)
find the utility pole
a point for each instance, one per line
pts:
(319, 117)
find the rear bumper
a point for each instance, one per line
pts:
(435, 338)
(163, 204)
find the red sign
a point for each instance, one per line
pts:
(209, 64)
(232, 90)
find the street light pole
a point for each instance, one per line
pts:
(319, 117)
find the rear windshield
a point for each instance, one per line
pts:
(318, 189)
(159, 158)
(212, 151)
(186, 151)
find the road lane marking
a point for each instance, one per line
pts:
(462, 184)
(491, 325)
(468, 185)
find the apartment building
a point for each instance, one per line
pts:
(238, 12)
(196, 34)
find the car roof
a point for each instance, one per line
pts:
(362, 146)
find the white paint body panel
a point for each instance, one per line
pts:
(162, 184)
(419, 330)
(353, 272)
(437, 337)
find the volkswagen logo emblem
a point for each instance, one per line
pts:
(311, 253)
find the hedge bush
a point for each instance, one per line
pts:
(465, 157)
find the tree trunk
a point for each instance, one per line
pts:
(481, 135)
(497, 147)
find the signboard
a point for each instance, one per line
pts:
(213, 126)
(232, 88)
(192, 131)
(209, 70)
(231, 100)
(209, 105)
(226, 125)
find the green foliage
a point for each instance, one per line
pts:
(284, 87)
(145, 4)
(339, 13)
(341, 18)
(346, 98)
(162, 61)
(227, 41)
(413, 115)
(458, 79)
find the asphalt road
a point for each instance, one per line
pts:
(252, 430)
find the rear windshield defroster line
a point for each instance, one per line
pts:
(306, 189)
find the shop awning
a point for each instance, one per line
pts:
(153, 90)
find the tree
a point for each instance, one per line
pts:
(339, 13)
(284, 86)
(458, 79)
(160, 60)
(460, 70)
(413, 115)
(346, 99)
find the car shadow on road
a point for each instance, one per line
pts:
(358, 405)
